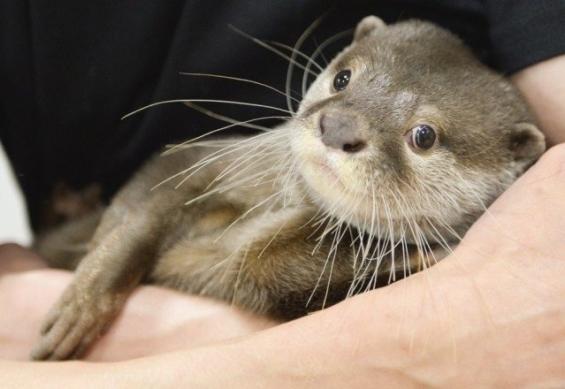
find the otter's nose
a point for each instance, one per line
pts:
(340, 132)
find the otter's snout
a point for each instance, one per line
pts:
(341, 132)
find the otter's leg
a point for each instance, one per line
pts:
(122, 252)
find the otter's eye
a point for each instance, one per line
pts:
(341, 80)
(422, 137)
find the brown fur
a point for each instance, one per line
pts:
(283, 224)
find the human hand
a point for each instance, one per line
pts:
(489, 315)
(154, 320)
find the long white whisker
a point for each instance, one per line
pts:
(268, 47)
(297, 52)
(223, 151)
(235, 123)
(245, 214)
(243, 144)
(184, 101)
(238, 79)
(318, 51)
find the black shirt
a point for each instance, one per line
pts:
(69, 70)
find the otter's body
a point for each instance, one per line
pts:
(396, 149)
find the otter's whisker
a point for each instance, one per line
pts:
(244, 215)
(239, 80)
(235, 123)
(240, 273)
(217, 155)
(272, 239)
(243, 123)
(268, 47)
(296, 52)
(281, 166)
(193, 169)
(418, 236)
(184, 101)
(251, 154)
(318, 51)
(334, 249)
(330, 259)
(292, 60)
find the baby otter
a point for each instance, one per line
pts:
(396, 149)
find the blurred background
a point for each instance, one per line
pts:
(13, 220)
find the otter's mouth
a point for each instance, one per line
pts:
(322, 176)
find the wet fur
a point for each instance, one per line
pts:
(283, 225)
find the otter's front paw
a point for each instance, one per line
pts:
(74, 323)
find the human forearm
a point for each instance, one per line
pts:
(373, 341)
(490, 315)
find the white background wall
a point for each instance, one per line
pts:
(13, 220)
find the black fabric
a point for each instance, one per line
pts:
(70, 70)
(525, 32)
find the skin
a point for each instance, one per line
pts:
(489, 315)
(543, 86)
(155, 319)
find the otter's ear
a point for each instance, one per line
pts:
(526, 142)
(366, 26)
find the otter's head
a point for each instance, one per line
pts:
(405, 134)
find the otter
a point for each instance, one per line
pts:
(397, 147)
